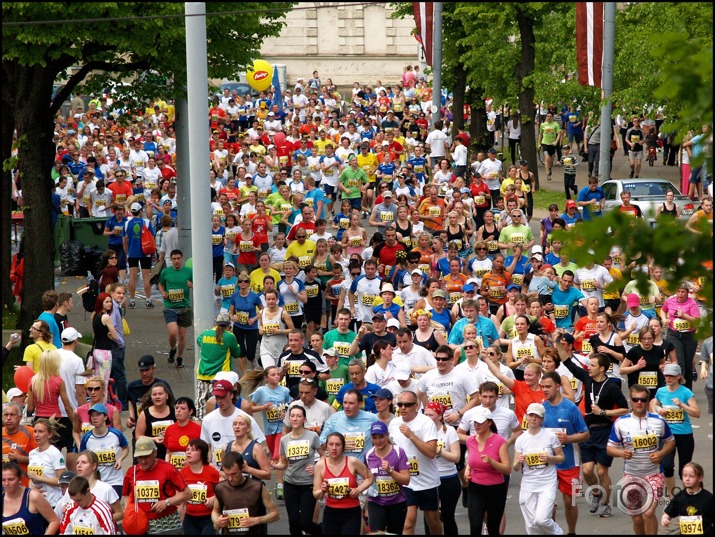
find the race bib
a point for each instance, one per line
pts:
(39, 470)
(234, 519)
(524, 423)
(386, 486)
(158, 428)
(297, 450)
(216, 240)
(523, 352)
(294, 368)
(270, 328)
(649, 379)
(454, 297)
(633, 339)
(147, 491)
(689, 525)
(644, 301)
(648, 442)
(106, 457)
(387, 217)
(218, 455)
(353, 183)
(480, 272)
(343, 348)
(368, 299)
(17, 526)
(424, 268)
(354, 442)
(177, 459)
(338, 487)
(480, 200)
(674, 414)
(588, 285)
(493, 246)
(273, 415)
(356, 241)
(574, 383)
(332, 386)
(292, 308)
(533, 460)
(681, 325)
(82, 529)
(344, 223)
(245, 246)
(304, 261)
(586, 346)
(496, 292)
(86, 427)
(561, 312)
(198, 493)
(227, 290)
(444, 398)
(176, 295)
(242, 317)
(435, 211)
(103, 203)
(285, 206)
(414, 466)
(517, 238)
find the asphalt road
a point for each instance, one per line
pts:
(149, 337)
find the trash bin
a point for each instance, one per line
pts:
(90, 231)
(62, 234)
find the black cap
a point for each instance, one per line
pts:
(492, 150)
(146, 361)
(66, 477)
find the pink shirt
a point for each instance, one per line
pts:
(49, 406)
(689, 307)
(484, 473)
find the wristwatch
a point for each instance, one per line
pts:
(603, 413)
(168, 502)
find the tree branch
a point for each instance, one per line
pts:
(87, 68)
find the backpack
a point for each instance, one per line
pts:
(89, 297)
(148, 244)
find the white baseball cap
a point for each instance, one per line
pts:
(69, 335)
(393, 323)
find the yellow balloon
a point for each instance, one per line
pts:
(260, 77)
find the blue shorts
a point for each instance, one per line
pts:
(355, 203)
(183, 317)
(594, 449)
(427, 500)
(330, 191)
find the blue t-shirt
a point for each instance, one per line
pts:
(586, 194)
(245, 307)
(228, 288)
(520, 267)
(562, 300)
(359, 426)
(280, 397)
(367, 392)
(133, 233)
(336, 221)
(572, 220)
(565, 415)
(676, 417)
(317, 196)
(394, 309)
(442, 318)
(419, 164)
(552, 259)
(54, 329)
(386, 169)
(485, 330)
(112, 224)
(217, 236)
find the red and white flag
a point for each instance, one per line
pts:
(423, 12)
(589, 42)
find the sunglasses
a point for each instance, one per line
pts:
(93, 389)
(405, 405)
(470, 347)
(305, 371)
(481, 248)
(639, 399)
(243, 281)
(491, 354)
(442, 359)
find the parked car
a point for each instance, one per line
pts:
(648, 194)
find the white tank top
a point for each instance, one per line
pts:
(276, 322)
(528, 348)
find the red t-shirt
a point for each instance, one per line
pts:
(176, 438)
(308, 226)
(387, 255)
(246, 257)
(259, 225)
(120, 193)
(202, 487)
(163, 480)
(480, 190)
(523, 397)
(588, 327)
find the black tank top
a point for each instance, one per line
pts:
(431, 344)
(665, 210)
(406, 234)
(150, 420)
(527, 182)
(101, 333)
(456, 236)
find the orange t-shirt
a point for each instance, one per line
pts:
(489, 281)
(588, 327)
(434, 209)
(24, 440)
(523, 397)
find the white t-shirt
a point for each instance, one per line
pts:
(450, 389)
(48, 463)
(108, 448)
(100, 489)
(537, 476)
(436, 140)
(486, 375)
(445, 438)
(217, 431)
(71, 371)
(396, 389)
(316, 415)
(586, 277)
(416, 357)
(377, 375)
(424, 473)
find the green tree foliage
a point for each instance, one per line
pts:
(94, 43)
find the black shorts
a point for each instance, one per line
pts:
(183, 317)
(613, 303)
(145, 262)
(427, 500)
(548, 149)
(594, 449)
(312, 316)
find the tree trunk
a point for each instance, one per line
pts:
(8, 126)
(458, 94)
(36, 154)
(478, 126)
(526, 93)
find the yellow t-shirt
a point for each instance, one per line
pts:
(304, 252)
(33, 352)
(257, 279)
(367, 163)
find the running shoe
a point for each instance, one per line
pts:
(172, 353)
(149, 305)
(548, 177)
(132, 304)
(605, 511)
(632, 173)
(179, 362)
(279, 491)
(593, 503)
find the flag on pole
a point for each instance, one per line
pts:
(589, 42)
(423, 18)
(277, 93)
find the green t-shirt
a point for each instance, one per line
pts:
(516, 235)
(549, 133)
(339, 377)
(279, 203)
(176, 285)
(508, 326)
(352, 180)
(560, 269)
(215, 356)
(341, 342)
